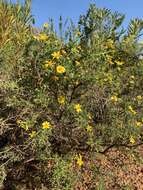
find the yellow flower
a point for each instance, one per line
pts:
(32, 134)
(56, 55)
(119, 63)
(46, 125)
(132, 110)
(132, 140)
(45, 25)
(60, 69)
(61, 99)
(43, 37)
(79, 160)
(114, 98)
(139, 97)
(77, 63)
(89, 128)
(138, 124)
(77, 107)
(48, 64)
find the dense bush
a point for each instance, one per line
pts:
(66, 94)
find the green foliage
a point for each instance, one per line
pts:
(80, 91)
(63, 176)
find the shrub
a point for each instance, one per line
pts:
(81, 91)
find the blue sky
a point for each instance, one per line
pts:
(43, 9)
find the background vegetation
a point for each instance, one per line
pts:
(66, 97)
